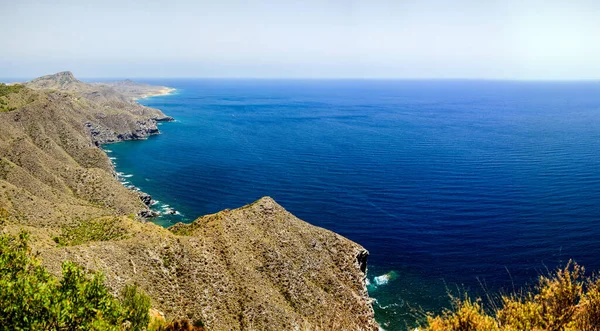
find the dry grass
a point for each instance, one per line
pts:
(563, 301)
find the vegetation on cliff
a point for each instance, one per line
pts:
(6, 90)
(563, 301)
(33, 299)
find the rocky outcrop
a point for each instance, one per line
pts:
(146, 198)
(148, 213)
(126, 130)
(361, 259)
(164, 119)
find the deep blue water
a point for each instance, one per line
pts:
(450, 184)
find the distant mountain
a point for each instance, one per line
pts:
(60, 81)
(122, 91)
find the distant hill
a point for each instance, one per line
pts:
(125, 91)
(135, 90)
(64, 81)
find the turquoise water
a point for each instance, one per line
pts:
(449, 184)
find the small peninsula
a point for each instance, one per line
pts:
(256, 267)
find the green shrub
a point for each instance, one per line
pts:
(33, 299)
(97, 229)
(136, 305)
(8, 89)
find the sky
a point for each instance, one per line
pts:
(418, 39)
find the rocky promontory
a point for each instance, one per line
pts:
(115, 114)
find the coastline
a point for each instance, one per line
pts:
(156, 209)
(151, 213)
(164, 215)
(162, 92)
(160, 212)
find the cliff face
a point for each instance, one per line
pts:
(256, 267)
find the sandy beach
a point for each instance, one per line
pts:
(162, 91)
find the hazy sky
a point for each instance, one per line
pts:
(509, 39)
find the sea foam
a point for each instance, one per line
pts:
(385, 278)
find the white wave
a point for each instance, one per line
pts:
(391, 305)
(112, 158)
(168, 210)
(382, 280)
(107, 151)
(154, 202)
(131, 187)
(385, 278)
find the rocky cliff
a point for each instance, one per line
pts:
(255, 267)
(115, 116)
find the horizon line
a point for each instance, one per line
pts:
(91, 78)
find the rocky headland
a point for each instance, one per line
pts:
(115, 116)
(256, 267)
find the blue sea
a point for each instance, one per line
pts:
(451, 185)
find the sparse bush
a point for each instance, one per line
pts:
(563, 301)
(4, 215)
(467, 315)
